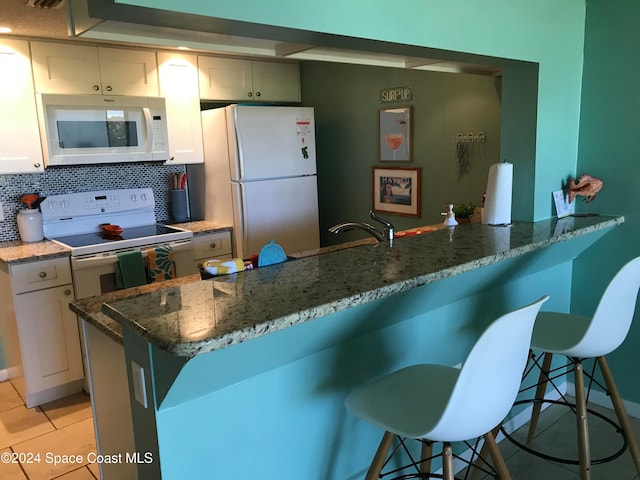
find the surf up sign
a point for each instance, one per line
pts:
(396, 94)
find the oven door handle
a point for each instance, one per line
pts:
(91, 261)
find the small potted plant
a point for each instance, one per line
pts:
(464, 212)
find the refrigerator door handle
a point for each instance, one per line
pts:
(237, 139)
(243, 219)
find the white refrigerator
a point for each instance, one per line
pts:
(259, 175)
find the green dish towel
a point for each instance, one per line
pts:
(130, 271)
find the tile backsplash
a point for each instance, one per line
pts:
(60, 180)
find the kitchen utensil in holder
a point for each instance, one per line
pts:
(178, 205)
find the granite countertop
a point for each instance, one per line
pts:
(16, 251)
(194, 316)
(202, 227)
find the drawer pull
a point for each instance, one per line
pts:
(42, 274)
(212, 245)
(67, 292)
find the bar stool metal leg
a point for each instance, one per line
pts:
(540, 391)
(621, 411)
(447, 462)
(381, 455)
(581, 423)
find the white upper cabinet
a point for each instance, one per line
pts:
(83, 69)
(276, 81)
(178, 75)
(242, 80)
(20, 150)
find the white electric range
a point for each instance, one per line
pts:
(74, 220)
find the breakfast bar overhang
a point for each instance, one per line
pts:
(246, 374)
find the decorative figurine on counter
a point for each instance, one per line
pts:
(586, 186)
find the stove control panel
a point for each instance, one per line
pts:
(75, 213)
(98, 202)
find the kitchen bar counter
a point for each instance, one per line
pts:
(196, 317)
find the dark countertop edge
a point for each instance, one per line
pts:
(186, 349)
(90, 308)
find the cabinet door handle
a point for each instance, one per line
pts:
(67, 292)
(212, 245)
(96, 88)
(109, 88)
(37, 165)
(250, 94)
(257, 94)
(43, 274)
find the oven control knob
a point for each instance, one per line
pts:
(64, 204)
(133, 198)
(143, 197)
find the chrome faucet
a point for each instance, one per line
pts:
(370, 229)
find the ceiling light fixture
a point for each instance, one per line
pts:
(45, 3)
(5, 30)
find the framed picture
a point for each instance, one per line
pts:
(396, 142)
(397, 190)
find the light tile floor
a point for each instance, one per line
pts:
(556, 435)
(65, 427)
(53, 430)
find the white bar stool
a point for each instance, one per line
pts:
(438, 403)
(580, 338)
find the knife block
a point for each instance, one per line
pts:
(178, 205)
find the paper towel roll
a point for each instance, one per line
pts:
(497, 204)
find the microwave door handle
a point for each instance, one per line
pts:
(147, 118)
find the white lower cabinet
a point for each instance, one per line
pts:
(211, 246)
(39, 332)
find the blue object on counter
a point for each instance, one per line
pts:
(271, 254)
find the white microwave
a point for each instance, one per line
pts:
(94, 129)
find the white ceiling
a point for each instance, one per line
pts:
(33, 21)
(52, 23)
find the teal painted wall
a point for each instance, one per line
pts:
(608, 136)
(290, 420)
(346, 102)
(540, 122)
(546, 32)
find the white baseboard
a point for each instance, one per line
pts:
(4, 375)
(600, 398)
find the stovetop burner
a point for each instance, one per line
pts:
(132, 233)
